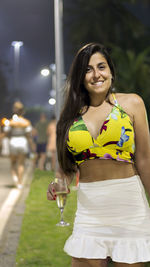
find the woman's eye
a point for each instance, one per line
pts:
(101, 67)
(88, 69)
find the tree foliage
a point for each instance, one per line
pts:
(106, 21)
(133, 72)
(112, 23)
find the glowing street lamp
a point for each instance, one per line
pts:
(16, 45)
(45, 72)
(52, 101)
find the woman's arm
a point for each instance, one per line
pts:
(31, 143)
(61, 174)
(142, 141)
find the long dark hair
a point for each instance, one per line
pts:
(77, 97)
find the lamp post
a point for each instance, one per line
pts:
(53, 77)
(16, 45)
(52, 72)
(59, 58)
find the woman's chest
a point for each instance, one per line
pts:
(95, 118)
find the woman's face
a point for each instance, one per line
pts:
(98, 77)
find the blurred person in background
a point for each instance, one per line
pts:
(18, 129)
(51, 144)
(41, 133)
(33, 156)
(1, 137)
(4, 140)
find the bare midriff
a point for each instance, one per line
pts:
(100, 170)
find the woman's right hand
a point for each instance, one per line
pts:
(51, 191)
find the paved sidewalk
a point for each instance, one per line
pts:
(11, 232)
(6, 183)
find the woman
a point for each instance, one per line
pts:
(106, 136)
(19, 130)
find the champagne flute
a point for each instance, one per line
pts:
(61, 189)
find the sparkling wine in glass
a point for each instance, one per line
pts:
(61, 192)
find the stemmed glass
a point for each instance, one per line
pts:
(61, 189)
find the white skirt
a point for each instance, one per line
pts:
(18, 144)
(112, 220)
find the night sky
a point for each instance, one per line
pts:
(32, 21)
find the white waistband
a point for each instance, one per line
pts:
(109, 182)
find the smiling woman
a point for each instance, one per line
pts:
(98, 138)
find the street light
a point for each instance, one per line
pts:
(52, 72)
(59, 58)
(45, 72)
(52, 101)
(16, 45)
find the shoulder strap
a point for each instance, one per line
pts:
(115, 100)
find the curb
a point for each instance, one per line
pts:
(10, 230)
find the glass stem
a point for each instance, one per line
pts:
(61, 211)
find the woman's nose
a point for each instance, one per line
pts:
(96, 73)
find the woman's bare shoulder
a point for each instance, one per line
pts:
(26, 121)
(129, 98)
(131, 103)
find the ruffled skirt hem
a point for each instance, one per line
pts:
(119, 250)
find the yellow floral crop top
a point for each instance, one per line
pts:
(115, 139)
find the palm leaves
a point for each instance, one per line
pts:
(133, 70)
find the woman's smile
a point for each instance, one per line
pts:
(100, 83)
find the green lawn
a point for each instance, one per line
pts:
(41, 241)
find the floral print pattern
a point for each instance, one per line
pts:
(104, 127)
(115, 139)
